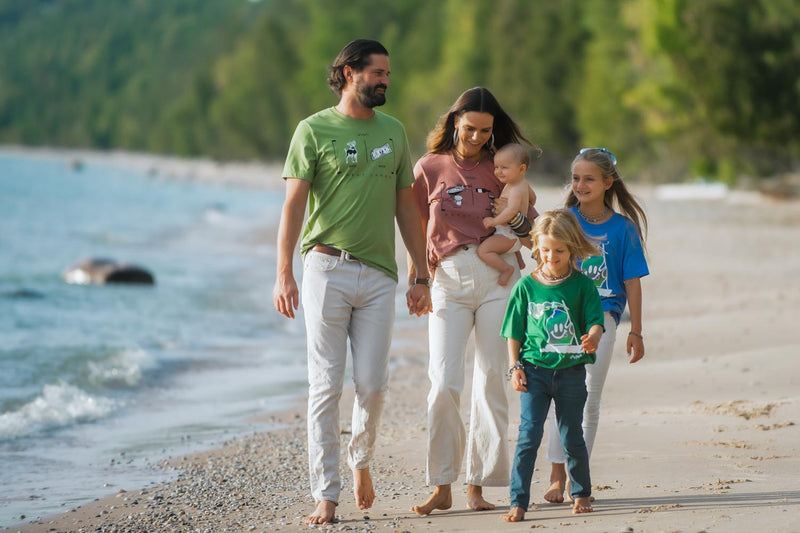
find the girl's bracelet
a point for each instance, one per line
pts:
(517, 366)
(636, 334)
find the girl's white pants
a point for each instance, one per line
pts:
(467, 298)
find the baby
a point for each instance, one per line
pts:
(510, 163)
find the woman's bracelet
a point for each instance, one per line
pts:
(517, 366)
(636, 334)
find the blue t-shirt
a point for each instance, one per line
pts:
(622, 258)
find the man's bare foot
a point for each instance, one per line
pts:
(475, 499)
(441, 499)
(505, 275)
(362, 488)
(516, 514)
(582, 505)
(323, 514)
(558, 483)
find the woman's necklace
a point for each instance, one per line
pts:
(593, 219)
(473, 167)
(555, 278)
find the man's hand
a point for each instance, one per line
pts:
(286, 296)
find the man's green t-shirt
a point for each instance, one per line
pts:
(549, 320)
(355, 167)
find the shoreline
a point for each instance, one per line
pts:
(702, 435)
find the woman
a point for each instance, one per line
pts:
(455, 187)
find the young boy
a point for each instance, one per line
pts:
(510, 163)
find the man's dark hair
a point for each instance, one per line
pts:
(356, 56)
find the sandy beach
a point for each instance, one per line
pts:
(701, 435)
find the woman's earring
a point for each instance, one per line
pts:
(490, 144)
(455, 137)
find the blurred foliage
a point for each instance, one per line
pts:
(676, 88)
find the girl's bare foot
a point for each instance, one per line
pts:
(362, 488)
(558, 483)
(475, 499)
(516, 514)
(441, 499)
(582, 505)
(323, 514)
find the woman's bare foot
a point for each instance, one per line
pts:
(323, 514)
(558, 483)
(582, 505)
(516, 514)
(475, 499)
(569, 495)
(362, 488)
(441, 499)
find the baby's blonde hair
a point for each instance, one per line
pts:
(561, 224)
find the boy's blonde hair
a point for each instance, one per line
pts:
(561, 224)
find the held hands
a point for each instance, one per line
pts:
(635, 347)
(418, 299)
(285, 295)
(488, 222)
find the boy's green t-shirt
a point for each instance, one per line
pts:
(549, 320)
(355, 167)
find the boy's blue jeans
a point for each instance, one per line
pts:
(567, 388)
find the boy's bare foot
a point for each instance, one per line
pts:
(441, 499)
(362, 488)
(323, 514)
(558, 483)
(505, 275)
(475, 499)
(516, 514)
(582, 505)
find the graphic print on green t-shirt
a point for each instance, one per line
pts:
(557, 324)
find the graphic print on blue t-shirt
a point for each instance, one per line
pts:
(596, 268)
(557, 324)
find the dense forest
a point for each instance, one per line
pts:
(676, 88)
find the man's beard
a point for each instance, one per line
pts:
(368, 95)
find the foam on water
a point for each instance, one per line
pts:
(59, 405)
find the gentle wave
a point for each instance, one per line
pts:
(122, 370)
(59, 405)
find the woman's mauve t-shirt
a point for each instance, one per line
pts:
(454, 202)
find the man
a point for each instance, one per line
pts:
(351, 165)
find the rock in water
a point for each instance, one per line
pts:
(98, 271)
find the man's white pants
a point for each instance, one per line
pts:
(344, 299)
(466, 296)
(595, 380)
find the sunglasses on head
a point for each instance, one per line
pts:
(605, 151)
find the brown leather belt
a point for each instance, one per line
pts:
(330, 250)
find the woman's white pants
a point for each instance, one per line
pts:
(466, 297)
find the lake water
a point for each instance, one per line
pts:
(99, 382)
